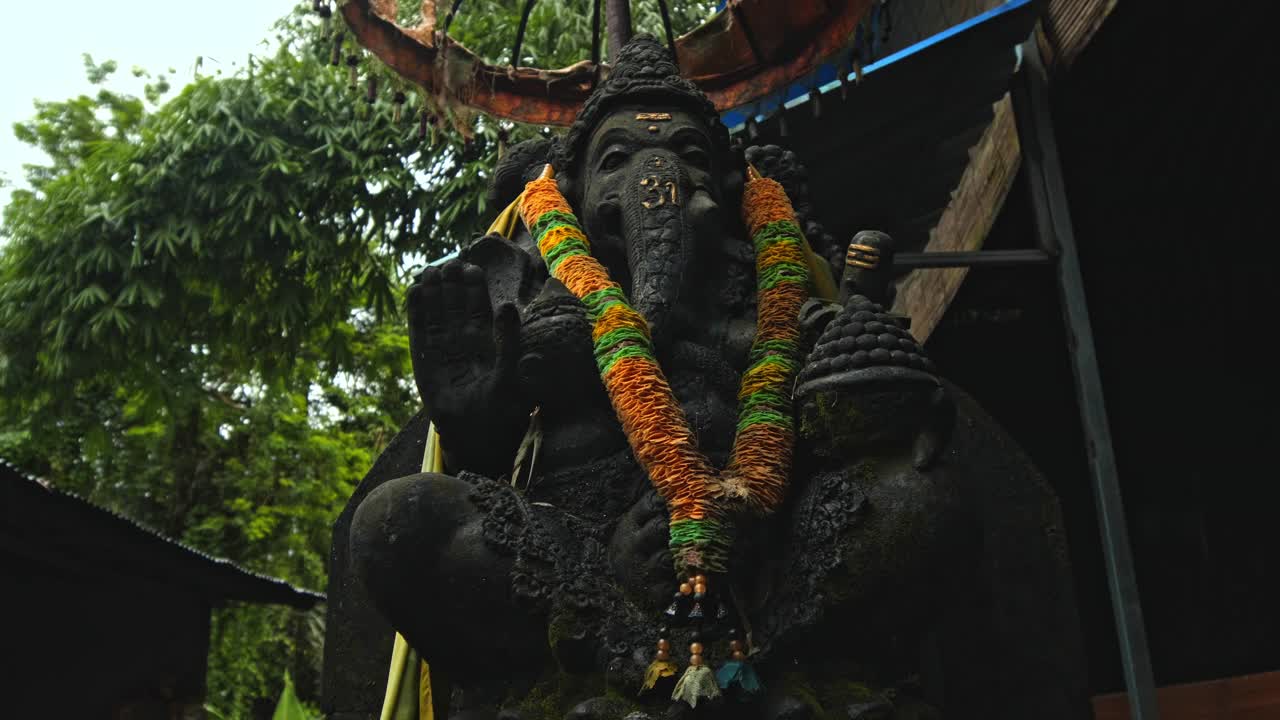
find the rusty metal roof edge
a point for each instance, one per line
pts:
(800, 91)
(301, 597)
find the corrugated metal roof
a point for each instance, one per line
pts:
(62, 528)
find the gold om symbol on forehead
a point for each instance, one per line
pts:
(660, 193)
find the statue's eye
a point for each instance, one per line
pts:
(696, 157)
(613, 160)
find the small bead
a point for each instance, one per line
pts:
(693, 580)
(695, 648)
(699, 579)
(700, 588)
(888, 341)
(739, 655)
(897, 357)
(860, 358)
(867, 342)
(685, 588)
(662, 655)
(854, 330)
(875, 326)
(879, 356)
(695, 660)
(664, 645)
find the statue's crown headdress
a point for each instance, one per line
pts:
(644, 72)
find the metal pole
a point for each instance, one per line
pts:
(972, 259)
(617, 20)
(1053, 225)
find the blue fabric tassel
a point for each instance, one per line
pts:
(738, 673)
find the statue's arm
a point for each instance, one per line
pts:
(465, 349)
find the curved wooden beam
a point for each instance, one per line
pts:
(752, 49)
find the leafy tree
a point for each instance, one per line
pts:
(199, 302)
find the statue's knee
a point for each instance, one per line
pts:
(406, 522)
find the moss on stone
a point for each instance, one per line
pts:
(558, 691)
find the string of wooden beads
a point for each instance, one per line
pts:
(695, 652)
(737, 651)
(664, 647)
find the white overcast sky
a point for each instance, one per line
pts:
(40, 56)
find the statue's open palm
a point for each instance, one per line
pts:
(464, 352)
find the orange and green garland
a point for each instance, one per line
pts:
(653, 421)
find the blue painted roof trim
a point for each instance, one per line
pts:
(826, 78)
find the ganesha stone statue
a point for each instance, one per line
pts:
(687, 472)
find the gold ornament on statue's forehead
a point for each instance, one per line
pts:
(653, 116)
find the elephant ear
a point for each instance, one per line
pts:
(519, 164)
(935, 436)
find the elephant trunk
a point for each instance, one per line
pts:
(659, 247)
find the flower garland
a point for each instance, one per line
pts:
(651, 418)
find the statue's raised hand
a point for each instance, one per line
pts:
(464, 355)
